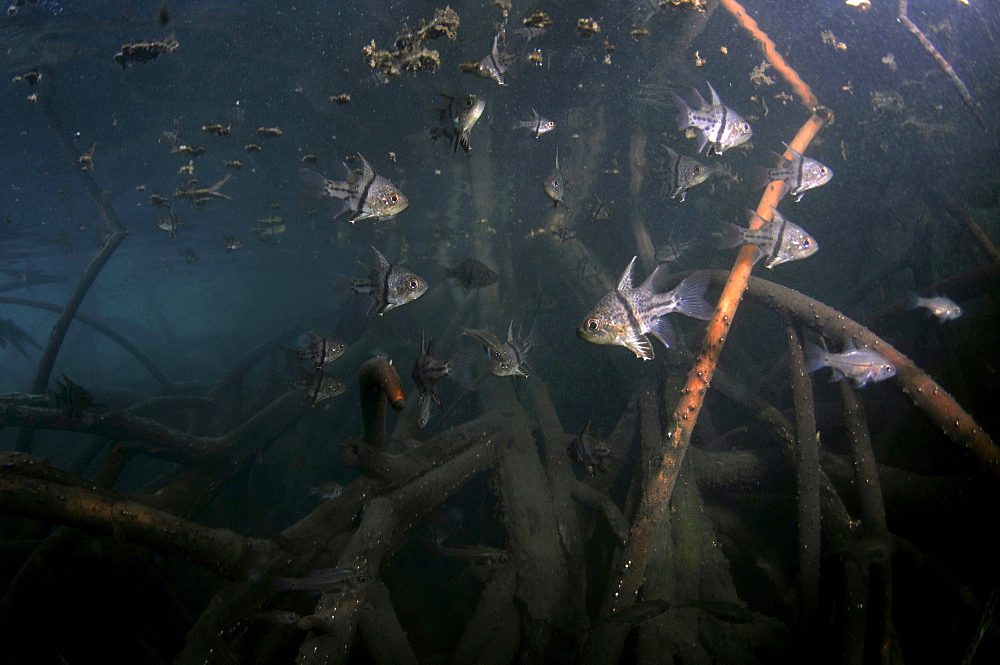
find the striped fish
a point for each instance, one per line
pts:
(799, 173)
(506, 358)
(363, 195)
(718, 125)
(678, 173)
(626, 315)
(779, 239)
(457, 118)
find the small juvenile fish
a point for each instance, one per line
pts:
(719, 127)
(672, 250)
(799, 173)
(319, 350)
(389, 286)
(589, 452)
(859, 365)
(624, 316)
(320, 387)
(779, 239)
(363, 195)
(472, 274)
(678, 173)
(504, 53)
(169, 223)
(506, 358)
(319, 581)
(231, 243)
(279, 617)
(536, 124)
(554, 185)
(331, 489)
(428, 371)
(457, 118)
(945, 309)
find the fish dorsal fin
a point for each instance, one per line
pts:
(383, 263)
(510, 332)
(423, 348)
(657, 279)
(625, 281)
(702, 104)
(798, 155)
(557, 159)
(777, 217)
(848, 345)
(366, 168)
(715, 96)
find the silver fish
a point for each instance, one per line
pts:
(457, 118)
(320, 387)
(779, 239)
(554, 185)
(505, 53)
(363, 195)
(718, 126)
(860, 365)
(536, 124)
(672, 250)
(389, 286)
(589, 451)
(678, 173)
(428, 371)
(627, 314)
(331, 489)
(319, 350)
(945, 309)
(323, 580)
(169, 223)
(506, 358)
(799, 173)
(279, 617)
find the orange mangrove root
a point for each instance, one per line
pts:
(379, 382)
(771, 53)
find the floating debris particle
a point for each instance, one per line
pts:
(269, 132)
(828, 38)
(310, 158)
(217, 128)
(888, 101)
(342, 98)
(698, 60)
(87, 159)
(758, 75)
(587, 27)
(145, 51)
(187, 169)
(639, 32)
(863, 5)
(409, 54)
(31, 77)
(537, 19)
(189, 150)
(252, 147)
(889, 60)
(234, 164)
(159, 200)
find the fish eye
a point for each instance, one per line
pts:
(468, 103)
(593, 325)
(822, 170)
(745, 128)
(497, 355)
(393, 198)
(412, 284)
(363, 578)
(805, 244)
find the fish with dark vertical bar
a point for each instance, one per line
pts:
(624, 316)
(555, 186)
(363, 195)
(506, 358)
(719, 127)
(800, 173)
(536, 124)
(859, 365)
(678, 173)
(318, 350)
(457, 118)
(504, 53)
(389, 286)
(779, 239)
(320, 387)
(589, 452)
(428, 371)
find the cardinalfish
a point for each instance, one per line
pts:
(389, 285)
(799, 173)
(329, 490)
(626, 315)
(320, 387)
(364, 195)
(504, 53)
(555, 186)
(428, 371)
(506, 358)
(536, 124)
(779, 239)
(719, 127)
(859, 365)
(318, 350)
(457, 118)
(589, 452)
(472, 274)
(678, 173)
(945, 309)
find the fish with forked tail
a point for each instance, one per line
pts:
(624, 316)
(859, 365)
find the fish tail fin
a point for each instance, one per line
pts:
(313, 184)
(815, 357)
(683, 111)
(912, 300)
(731, 236)
(760, 177)
(690, 296)
(342, 287)
(462, 368)
(423, 410)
